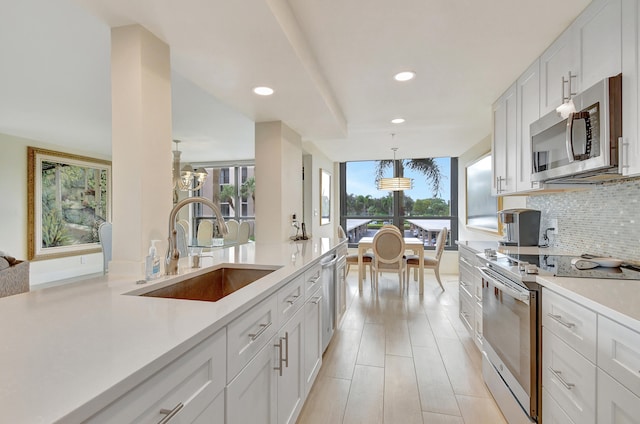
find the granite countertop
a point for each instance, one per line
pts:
(616, 299)
(68, 351)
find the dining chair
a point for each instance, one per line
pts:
(413, 261)
(352, 259)
(232, 230)
(205, 233)
(390, 227)
(243, 232)
(388, 255)
(105, 237)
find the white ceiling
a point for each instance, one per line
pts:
(331, 63)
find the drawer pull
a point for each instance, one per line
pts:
(170, 413)
(557, 374)
(316, 300)
(463, 260)
(263, 328)
(291, 302)
(558, 319)
(279, 367)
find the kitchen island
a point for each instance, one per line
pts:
(69, 351)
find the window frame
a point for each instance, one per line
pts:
(396, 218)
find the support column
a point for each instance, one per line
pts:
(141, 146)
(278, 152)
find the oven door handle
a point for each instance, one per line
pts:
(522, 296)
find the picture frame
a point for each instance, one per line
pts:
(481, 206)
(325, 197)
(68, 197)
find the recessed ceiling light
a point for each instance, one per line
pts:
(404, 76)
(397, 120)
(263, 91)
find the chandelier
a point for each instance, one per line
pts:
(396, 183)
(186, 178)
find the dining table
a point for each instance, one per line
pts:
(410, 243)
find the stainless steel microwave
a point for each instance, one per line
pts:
(584, 146)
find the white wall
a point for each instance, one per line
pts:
(320, 161)
(13, 214)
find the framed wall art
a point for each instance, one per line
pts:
(69, 196)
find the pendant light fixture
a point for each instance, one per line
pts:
(396, 183)
(186, 178)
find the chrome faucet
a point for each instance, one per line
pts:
(173, 254)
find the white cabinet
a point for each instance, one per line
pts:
(555, 64)
(312, 338)
(616, 404)
(248, 333)
(588, 387)
(597, 42)
(190, 389)
(528, 111)
(590, 49)
(291, 381)
(504, 143)
(551, 411)
(619, 353)
(274, 384)
(573, 323)
(569, 378)
(252, 395)
(630, 89)
(470, 293)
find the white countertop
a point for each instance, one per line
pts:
(70, 350)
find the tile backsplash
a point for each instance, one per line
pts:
(601, 219)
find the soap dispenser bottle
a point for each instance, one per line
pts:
(152, 268)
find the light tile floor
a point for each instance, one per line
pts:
(401, 359)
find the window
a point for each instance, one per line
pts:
(421, 212)
(232, 188)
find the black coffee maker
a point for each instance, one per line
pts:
(521, 227)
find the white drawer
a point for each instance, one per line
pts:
(466, 291)
(247, 334)
(619, 353)
(569, 378)
(313, 280)
(573, 323)
(192, 380)
(478, 328)
(616, 404)
(467, 314)
(551, 411)
(290, 299)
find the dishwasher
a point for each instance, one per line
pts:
(328, 298)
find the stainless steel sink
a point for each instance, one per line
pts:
(212, 286)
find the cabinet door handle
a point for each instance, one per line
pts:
(559, 320)
(316, 300)
(263, 328)
(291, 302)
(286, 349)
(557, 374)
(279, 367)
(170, 413)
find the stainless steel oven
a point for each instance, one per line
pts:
(511, 332)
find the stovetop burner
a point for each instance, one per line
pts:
(560, 266)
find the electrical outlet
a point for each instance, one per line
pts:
(83, 259)
(554, 224)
